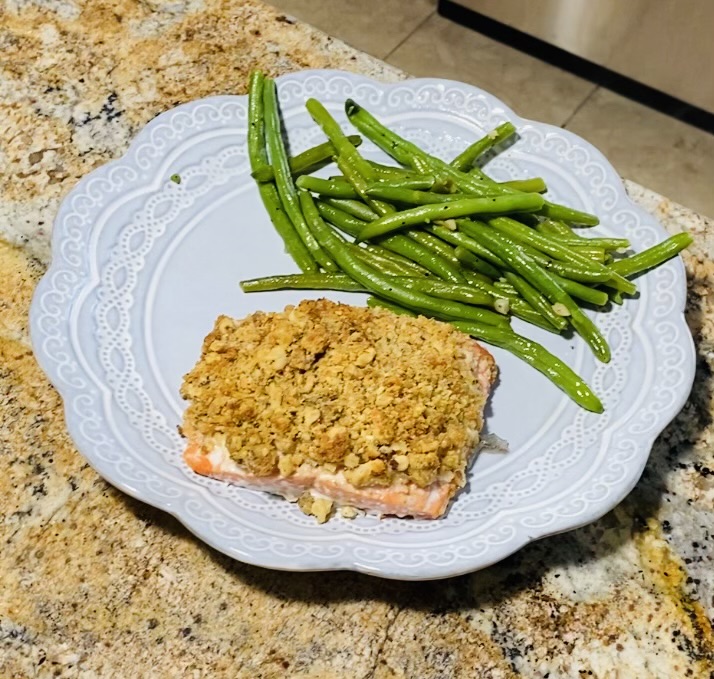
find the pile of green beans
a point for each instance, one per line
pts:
(440, 239)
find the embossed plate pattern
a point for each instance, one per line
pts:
(142, 266)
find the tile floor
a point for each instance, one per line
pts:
(653, 149)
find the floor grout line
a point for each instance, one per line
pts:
(580, 105)
(409, 35)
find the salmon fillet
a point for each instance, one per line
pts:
(352, 406)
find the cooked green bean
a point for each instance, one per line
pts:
(474, 263)
(399, 244)
(521, 309)
(568, 270)
(470, 155)
(258, 156)
(462, 239)
(443, 290)
(596, 254)
(475, 278)
(360, 183)
(352, 207)
(552, 227)
(602, 243)
(536, 300)
(569, 214)
(407, 153)
(654, 256)
(379, 261)
(415, 182)
(283, 178)
(580, 291)
(433, 243)
(506, 287)
(407, 264)
(312, 281)
(381, 285)
(336, 188)
(534, 185)
(459, 208)
(389, 171)
(541, 280)
(411, 196)
(339, 139)
(305, 162)
(524, 234)
(518, 307)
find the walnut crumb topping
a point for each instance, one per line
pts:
(376, 397)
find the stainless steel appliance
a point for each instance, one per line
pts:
(665, 44)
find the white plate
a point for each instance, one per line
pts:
(142, 266)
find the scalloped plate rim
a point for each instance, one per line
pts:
(310, 563)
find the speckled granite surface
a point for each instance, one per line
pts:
(93, 583)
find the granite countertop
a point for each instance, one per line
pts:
(93, 583)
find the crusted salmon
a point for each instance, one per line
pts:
(326, 403)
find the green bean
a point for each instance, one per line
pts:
(471, 261)
(538, 357)
(356, 208)
(536, 300)
(443, 290)
(336, 188)
(359, 182)
(470, 155)
(407, 264)
(380, 285)
(518, 307)
(524, 312)
(379, 262)
(268, 192)
(575, 272)
(465, 239)
(552, 227)
(569, 214)
(596, 254)
(355, 168)
(541, 280)
(477, 279)
(521, 309)
(580, 291)
(399, 244)
(389, 171)
(654, 256)
(506, 287)
(534, 185)
(312, 281)
(411, 196)
(305, 162)
(459, 208)
(283, 178)
(466, 242)
(415, 182)
(523, 234)
(339, 139)
(407, 153)
(430, 241)
(603, 243)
